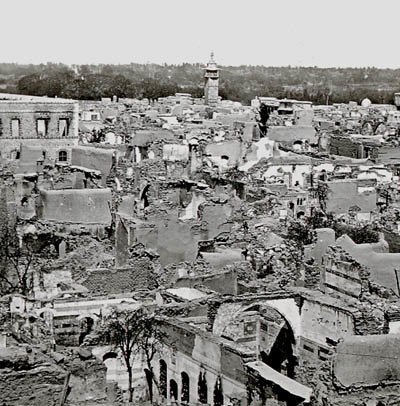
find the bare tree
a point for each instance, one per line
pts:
(16, 255)
(16, 273)
(149, 343)
(134, 331)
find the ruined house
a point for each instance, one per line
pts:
(51, 124)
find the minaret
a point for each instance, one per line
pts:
(211, 81)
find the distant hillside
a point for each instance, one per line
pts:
(239, 83)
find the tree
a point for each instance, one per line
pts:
(16, 255)
(149, 343)
(361, 234)
(264, 113)
(300, 232)
(21, 254)
(134, 331)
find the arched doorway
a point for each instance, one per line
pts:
(218, 395)
(163, 379)
(173, 390)
(185, 394)
(109, 355)
(202, 387)
(86, 325)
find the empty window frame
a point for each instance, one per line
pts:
(62, 156)
(63, 127)
(308, 348)
(15, 127)
(41, 127)
(15, 154)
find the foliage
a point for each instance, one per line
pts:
(16, 256)
(241, 83)
(361, 234)
(132, 332)
(300, 232)
(322, 194)
(264, 113)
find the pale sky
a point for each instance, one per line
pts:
(254, 32)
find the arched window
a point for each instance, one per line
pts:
(163, 378)
(62, 156)
(218, 395)
(173, 390)
(185, 394)
(15, 154)
(202, 387)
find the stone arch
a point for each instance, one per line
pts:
(109, 355)
(46, 314)
(185, 387)
(163, 379)
(173, 389)
(282, 354)
(287, 308)
(43, 310)
(297, 145)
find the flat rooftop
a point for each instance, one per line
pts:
(22, 98)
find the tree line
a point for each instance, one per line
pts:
(239, 83)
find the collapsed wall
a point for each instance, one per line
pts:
(30, 377)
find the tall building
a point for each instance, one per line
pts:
(211, 82)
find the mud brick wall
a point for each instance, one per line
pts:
(344, 146)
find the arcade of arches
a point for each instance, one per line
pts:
(181, 392)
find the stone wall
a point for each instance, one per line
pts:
(323, 323)
(77, 206)
(342, 276)
(27, 111)
(193, 351)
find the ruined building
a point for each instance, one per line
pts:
(40, 123)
